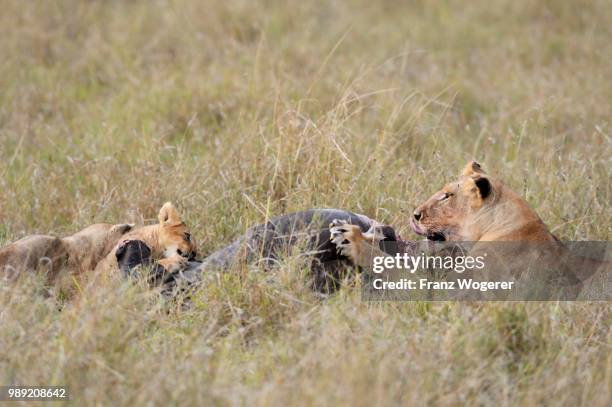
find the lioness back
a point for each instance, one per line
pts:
(35, 252)
(76, 254)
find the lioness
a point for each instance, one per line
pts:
(76, 253)
(480, 209)
(170, 242)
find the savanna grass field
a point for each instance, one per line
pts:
(238, 111)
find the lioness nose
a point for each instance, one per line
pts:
(417, 215)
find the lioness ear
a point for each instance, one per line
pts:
(471, 168)
(484, 186)
(168, 215)
(122, 228)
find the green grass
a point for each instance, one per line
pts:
(238, 109)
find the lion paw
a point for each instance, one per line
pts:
(174, 263)
(345, 237)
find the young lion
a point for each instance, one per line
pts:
(170, 241)
(480, 209)
(51, 254)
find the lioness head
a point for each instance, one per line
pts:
(477, 207)
(174, 236)
(442, 216)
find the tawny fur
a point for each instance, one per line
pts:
(466, 216)
(74, 254)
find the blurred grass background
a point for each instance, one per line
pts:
(238, 109)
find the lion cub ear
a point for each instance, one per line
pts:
(168, 215)
(471, 168)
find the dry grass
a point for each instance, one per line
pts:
(235, 110)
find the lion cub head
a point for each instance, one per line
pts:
(169, 237)
(477, 207)
(173, 234)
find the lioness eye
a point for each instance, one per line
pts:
(188, 236)
(444, 196)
